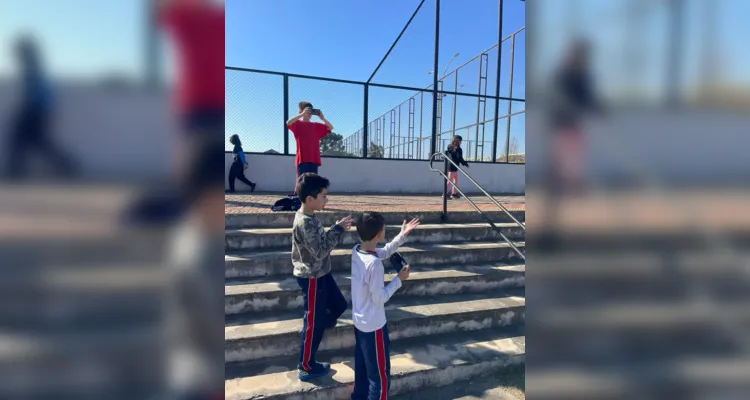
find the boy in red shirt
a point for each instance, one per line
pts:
(308, 135)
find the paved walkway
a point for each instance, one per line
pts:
(261, 203)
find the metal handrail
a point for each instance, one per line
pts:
(520, 224)
(471, 202)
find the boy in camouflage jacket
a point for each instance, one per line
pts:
(311, 257)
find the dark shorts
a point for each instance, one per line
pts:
(307, 167)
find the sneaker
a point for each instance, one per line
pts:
(457, 195)
(252, 187)
(317, 370)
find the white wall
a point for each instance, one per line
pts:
(126, 134)
(681, 146)
(129, 134)
(277, 173)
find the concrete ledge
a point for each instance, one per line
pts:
(407, 318)
(285, 219)
(278, 262)
(250, 239)
(417, 366)
(284, 294)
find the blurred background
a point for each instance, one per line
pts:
(637, 198)
(108, 198)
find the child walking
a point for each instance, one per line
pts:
(456, 154)
(372, 365)
(239, 165)
(311, 249)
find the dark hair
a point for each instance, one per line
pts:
(369, 224)
(304, 104)
(310, 184)
(235, 139)
(458, 137)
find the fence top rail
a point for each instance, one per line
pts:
(380, 85)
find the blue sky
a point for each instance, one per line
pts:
(81, 38)
(346, 40)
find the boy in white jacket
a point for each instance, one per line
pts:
(371, 358)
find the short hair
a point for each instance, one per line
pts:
(304, 104)
(234, 139)
(369, 224)
(458, 137)
(311, 184)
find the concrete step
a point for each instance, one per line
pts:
(258, 335)
(507, 384)
(725, 377)
(415, 364)
(278, 262)
(285, 219)
(283, 293)
(250, 239)
(637, 332)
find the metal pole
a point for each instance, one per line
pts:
(674, 61)
(479, 104)
(455, 100)
(510, 103)
(444, 215)
(421, 119)
(286, 114)
(433, 145)
(398, 152)
(396, 41)
(153, 55)
(365, 122)
(497, 80)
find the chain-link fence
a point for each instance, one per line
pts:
(373, 119)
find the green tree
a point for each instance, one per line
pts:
(332, 144)
(375, 151)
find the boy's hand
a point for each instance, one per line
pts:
(345, 223)
(404, 273)
(321, 116)
(406, 228)
(307, 111)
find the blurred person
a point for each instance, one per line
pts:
(236, 171)
(308, 135)
(196, 30)
(195, 313)
(573, 97)
(456, 154)
(30, 130)
(311, 258)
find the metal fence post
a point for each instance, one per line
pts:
(365, 122)
(444, 215)
(433, 145)
(286, 114)
(510, 94)
(499, 69)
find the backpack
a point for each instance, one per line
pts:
(289, 203)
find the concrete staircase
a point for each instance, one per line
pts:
(460, 316)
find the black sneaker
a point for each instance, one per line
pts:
(457, 195)
(252, 187)
(317, 370)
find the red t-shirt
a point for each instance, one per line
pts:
(197, 32)
(308, 135)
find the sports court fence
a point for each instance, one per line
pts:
(385, 121)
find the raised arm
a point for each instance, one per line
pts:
(390, 248)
